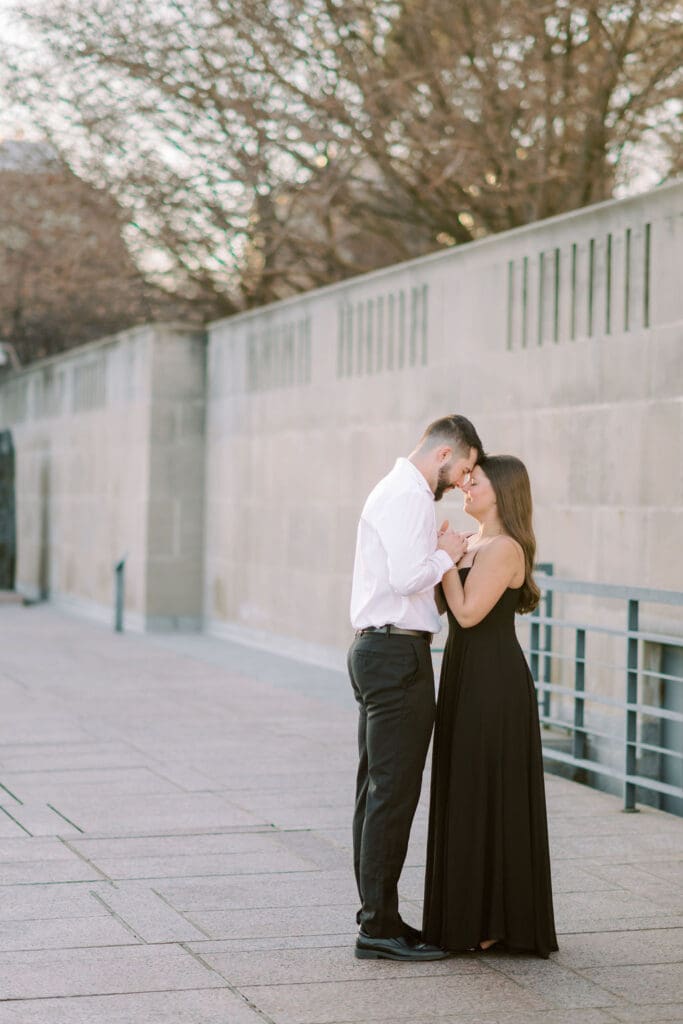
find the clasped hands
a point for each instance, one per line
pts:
(453, 543)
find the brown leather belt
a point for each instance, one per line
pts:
(396, 631)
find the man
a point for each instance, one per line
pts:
(399, 560)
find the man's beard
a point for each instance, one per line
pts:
(443, 483)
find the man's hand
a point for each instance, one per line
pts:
(454, 544)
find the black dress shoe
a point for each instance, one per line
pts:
(399, 948)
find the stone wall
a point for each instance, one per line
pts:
(109, 464)
(562, 341)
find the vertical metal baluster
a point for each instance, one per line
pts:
(579, 737)
(119, 589)
(631, 713)
(534, 641)
(547, 647)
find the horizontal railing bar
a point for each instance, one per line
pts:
(576, 762)
(603, 769)
(661, 675)
(645, 594)
(660, 750)
(649, 709)
(590, 662)
(656, 785)
(611, 702)
(658, 638)
(609, 736)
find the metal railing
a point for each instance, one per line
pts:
(628, 715)
(563, 705)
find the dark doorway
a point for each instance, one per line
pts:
(8, 533)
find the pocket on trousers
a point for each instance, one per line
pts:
(380, 667)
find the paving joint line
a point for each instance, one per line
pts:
(16, 823)
(67, 820)
(86, 860)
(113, 995)
(10, 793)
(181, 914)
(121, 921)
(229, 985)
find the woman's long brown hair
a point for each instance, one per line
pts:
(510, 481)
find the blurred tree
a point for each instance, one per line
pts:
(264, 148)
(66, 276)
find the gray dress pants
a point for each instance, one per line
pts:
(393, 682)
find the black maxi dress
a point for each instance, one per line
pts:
(488, 864)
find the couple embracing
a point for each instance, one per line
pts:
(488, 867)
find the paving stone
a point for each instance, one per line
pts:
(665, 1013)
(303, 966)
(607, 821)
(189, 866)
(185, 776)
(557, 984)
(504, 1016)
(213, 1006)
(39, 819)
(148, 915)
(175, 765)
(392, 1000)
(286, 781)
(152, 813)
(9, 828)
(249, 924)
(606, 924)
(312, 888)
(242, 945)
(669, 870)
(319, 849)
(59, 869)
(570, 876)
(79, 782)
(43, 902)
(73, 972)
(197, 843)
(635, 879)
(23, 847)
(621, 948)
(646, 848)
(317, 817)
(581, 911)
(64, 933)
(48, 756)
(650, 983)
(31, 728)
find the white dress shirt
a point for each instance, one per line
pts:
(397, 562)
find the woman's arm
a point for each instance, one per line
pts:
(494, 569)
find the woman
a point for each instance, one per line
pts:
(488, 867)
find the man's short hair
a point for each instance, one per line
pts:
(455, 431)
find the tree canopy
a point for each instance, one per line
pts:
(262, 147)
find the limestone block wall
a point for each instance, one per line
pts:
(109, 464)
(562, 341)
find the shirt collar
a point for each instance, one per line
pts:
(406, 466)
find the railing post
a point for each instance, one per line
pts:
(631, 699)
(534, 642)
(547, 645)
(119, 589)
(579, 736)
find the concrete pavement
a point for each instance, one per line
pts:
(174, 849)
